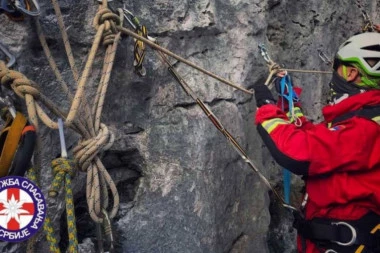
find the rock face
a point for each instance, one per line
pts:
(183, 188)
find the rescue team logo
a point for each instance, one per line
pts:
(22, 209)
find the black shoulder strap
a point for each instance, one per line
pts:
(368, 112)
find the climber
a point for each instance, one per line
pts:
(339, 159)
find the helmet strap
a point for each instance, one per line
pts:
(344, 72)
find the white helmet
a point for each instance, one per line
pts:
(363, 49)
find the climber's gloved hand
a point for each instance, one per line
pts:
(263, 95)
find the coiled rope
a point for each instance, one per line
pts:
(95, 136)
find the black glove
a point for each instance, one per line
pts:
(263, 95)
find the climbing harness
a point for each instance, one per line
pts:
(342, 235)
(10, 58)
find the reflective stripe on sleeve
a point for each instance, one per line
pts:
(270, 125)
(297, 114)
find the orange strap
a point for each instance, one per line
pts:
(11, 143)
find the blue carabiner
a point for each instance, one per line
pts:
(291, 96)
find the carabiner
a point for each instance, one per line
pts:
(324, 58)
(22, 8)
(368, 24)
(264, 53)
(11, 58)
(133, 21)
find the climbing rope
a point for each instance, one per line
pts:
(275, 68)
(162, 55)
(127, 31)
(96, 137)
(64, 171)
(180, 80)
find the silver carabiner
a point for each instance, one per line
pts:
(324, 58)
(330, 251)
(11, 58)
(62, 139)
(353, 231)
(264, 53)
(24, 10)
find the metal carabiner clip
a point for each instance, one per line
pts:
(11, 58)
(324, 58)
(368, 25)
(22, 8)
(353, 231)
(264, 53)
(132, 20)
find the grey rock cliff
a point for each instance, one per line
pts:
(183, 188)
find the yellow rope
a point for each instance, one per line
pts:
(64, 171)
(32, 174)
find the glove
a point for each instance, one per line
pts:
(263, 95)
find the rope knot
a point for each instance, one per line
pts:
(63, 169)
(17, 81)
(105, 17)
(87, 150)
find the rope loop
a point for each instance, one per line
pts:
(87, 150)
(110, 21)
(61, 168)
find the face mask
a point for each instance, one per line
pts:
(341, 89)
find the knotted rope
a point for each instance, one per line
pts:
(64, 171)
(95, 136)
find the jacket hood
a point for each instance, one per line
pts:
(353, 103)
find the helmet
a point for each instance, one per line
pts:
(364, 50)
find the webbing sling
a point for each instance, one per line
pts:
(9, 140)
(287, 92)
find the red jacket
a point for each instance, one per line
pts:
(341, 162)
